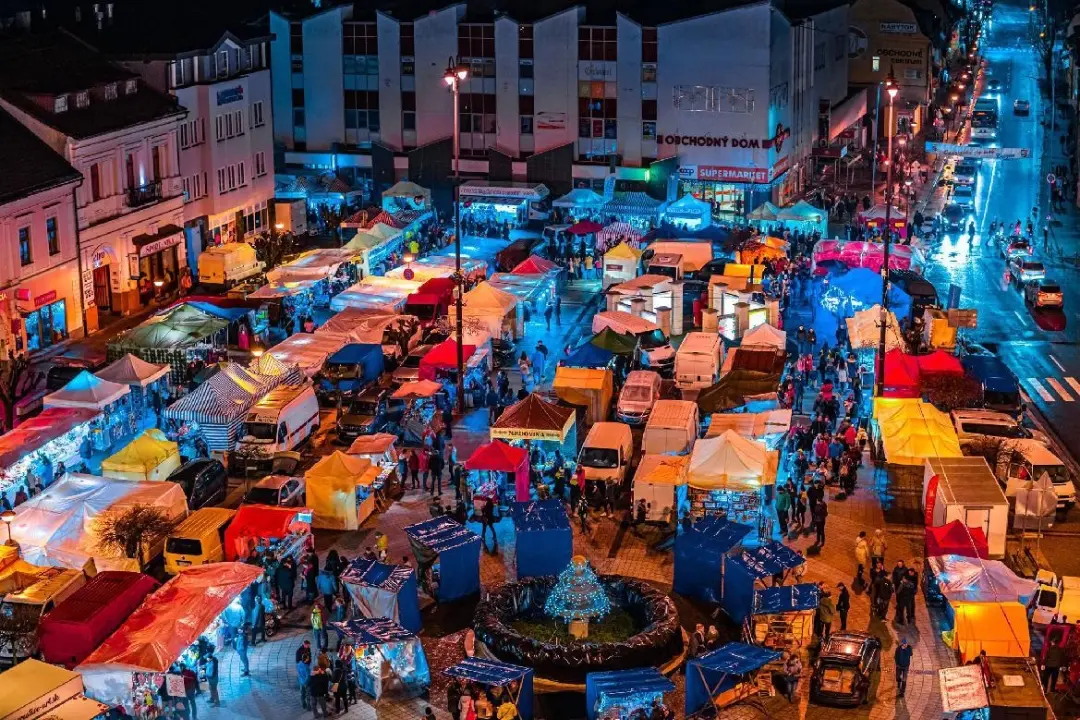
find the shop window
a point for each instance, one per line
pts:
(53, 235)
(598, 44)
(47, 325)
(525, 41)
(26, 251)
(648, 47)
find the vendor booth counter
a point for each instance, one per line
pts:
(725, 676)
(493, 461)
(701, 554)
(509, 681)
(544, 541)
(384, 591)
(624, 691)
(744, 574)
(448, 556)
(783, 616)
(340, 491)
(388, 657)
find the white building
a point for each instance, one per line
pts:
(121, 136)
(40, 293)
(744, 86)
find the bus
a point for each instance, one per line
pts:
(984, 119)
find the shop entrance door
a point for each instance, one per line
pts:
(102, 289)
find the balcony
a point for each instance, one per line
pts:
(143, 195)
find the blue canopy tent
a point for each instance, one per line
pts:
(792, 609)
(384, 591)
(860, 289)
(352, 368)
(713, 680)
(455, 548)
(544, 541)
(700, 554)
(742, 572)
(631, 689)
(589, 356)
(492, 674)
(379, 640)
(232, 314)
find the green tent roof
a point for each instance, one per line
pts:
(183, 325)
(608, 339)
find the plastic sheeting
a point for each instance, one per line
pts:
(544, 541)
(331, 490)
(455, 549)
(720, 670)
(308, 351)
(384, 591)
(962, 579)
(700, 556)
(57, 527)
(734, 388)
(400, 648)
(498, 674)
(258, 523)
(87, 390)
(585, 387)
(741, 572)
(955, 539)
(151, 456)
(802, 597)
(631, 688)
(1001, 629)
(589, 356)
(912, 431)
(39, 431)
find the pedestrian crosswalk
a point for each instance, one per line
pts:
(1052, 389)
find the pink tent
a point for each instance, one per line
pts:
(827, 250)
(498, 456)
(851, 254)
(902, 376)
(940, 362)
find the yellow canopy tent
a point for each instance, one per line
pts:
(621, 263)
(660, 481)
(151, 456)
(591, 388)
(744, 270)
(338, 491)
(894, 413)
(999, 628)
(912, 431)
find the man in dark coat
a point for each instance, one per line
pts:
(285, 578)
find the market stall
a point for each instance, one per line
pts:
(40, 444)
(725, 676)
(389, 658)
(747, 572)
(334, 265)
(285, 531)
(339, 491)
(874, 220)
(765, 335)
(307, 351)
(169, 628)
(914, 431)
(228, 264)
(146, 381)
(489, 467)
(962, 496)
(729, 473)
(735, 388)
(804, 217)
(495, 309)
(151, 456)
(660, 480)
(535, 265)
(860, 289)
(783, 616)
(688, 213)
(174, 337)
(864, 335)
(297, 297)
(36, 690)
(586, 388)
(619, 233)
(511, 682)
(387, 294)
(581, 201)
(999, 628)
(543, 540)
(420, 413)
(769, 427)
(701, 554)
(116, 416)
(634, 207)
(535, 420)
(764, 213)
(618, 693)
(58, 527)
(621, 263)
(960, 579)
(381, 450)
(485, 205)
(447, 556)
(375, 247)
(406, 195)
(956, 539)
(384, 591)
(441, 360)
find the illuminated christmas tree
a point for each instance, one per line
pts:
(578, 597)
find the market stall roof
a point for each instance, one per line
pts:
(376, 574)
(939, 362)
(737, 658)
(308, 351)
(486, 672)
(441, 534)
(765, 334)
(732, 389)
(589, 356)
(32, 434)
(262, 522)
(769, 559)
(36, 690)
(170, 620)
(623, 230)
(87, 390)
(730, 461)
(634, 204)
(802, 211)
(362, 325)
(372, 444)
(614, 342)
(1001, 629)
(623, 683)
(540, 516)
(181, 326)
(231, 314)
(355, 353)
(444, 357)
(591, 388)
(585, 227)
(864, 329)
(720, 534)
(133, 371)
(497, 456)
(751, 425)
(534, 418)
(486, 298)
(407, 189)
(141, 457)
(623, 251)
(966, 579)
(579, 197)
(361, 632)
(418, 389)
(284, 288)
(534, 265)
(337, 466)
(901, 374)
(765, 211)
(226, 395)
(662, 469)
(956, 539)
(786, 598)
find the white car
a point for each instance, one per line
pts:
(964, 196)
(965, 173)
(973, 425)
(1023, 270)
(1021, 107)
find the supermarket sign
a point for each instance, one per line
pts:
(981, 153)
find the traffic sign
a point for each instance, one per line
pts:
(408, 274)
(1051, 178)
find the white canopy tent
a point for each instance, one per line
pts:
(308, 351)
(730, 461)
(580, 198)
(406, 195)
(765, 335)
(805, 216)
(689, 211)
(864, 330)
(314, 265)
(490, 306)
(87, 390)
(133, 371)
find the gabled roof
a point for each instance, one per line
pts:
(29, 165)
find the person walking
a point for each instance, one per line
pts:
(1052, 664)
(902, 658)
(843, 604)
(487, 520)
(793, 669)
(318, 627)
(821, 514)
(241, 645)
(435, 464)
(862, 559)
(878, 546)
(583, 513)
(905, 598)
(414, 468)
(783, 506)
(558, 310)
(210, 672)
(303, 677)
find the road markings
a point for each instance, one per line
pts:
(1073, 384)
(1020, 317)
(1043, 392)
(1060, 389)
(1060, 367)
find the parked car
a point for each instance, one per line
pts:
(993, 85)
(1043, 293)
(365, 414)
(1021, 107)
(1022, 270)
(844, 669)
(973, 425)
(279, 490)
(1015, 245)
(205, 482)
(409, 370)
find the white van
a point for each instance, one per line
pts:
(656, 351)
(607, 451)
(283, 419)
(672, 428)
(697, 362)
(638, 395)
(1023, 460)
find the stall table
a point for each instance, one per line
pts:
(387, 655)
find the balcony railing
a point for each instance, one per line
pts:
(144, 194)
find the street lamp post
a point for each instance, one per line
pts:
(456, 73)
(891, 89)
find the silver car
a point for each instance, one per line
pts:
(409, 370)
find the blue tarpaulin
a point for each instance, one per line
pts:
(498, 674)
(589, 356)
(368, 358)
(544, 541)
(786, 598)
(700, 554)
(401, 649)
(455, 548)
(232, 314)
(771, 558)
(860, 289)
(637, 687)
(384, 591)
(720, 670)
(740, 574)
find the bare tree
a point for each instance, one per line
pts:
(133, 530)
(18, 630)
(951, 393)
(992, 449)
(16, 382)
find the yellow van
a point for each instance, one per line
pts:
(198, 540)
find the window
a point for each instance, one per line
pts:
(648, 130)
(408, 41)
(359, 38)
(526, 124)
(408, 121)
(597, 126)
(476, 40)
(238, 122)
(192, 133)
(82, 99)
(877, 63)
(241, 174)
(362, 112)
(296, 39)
(111, 91)
(408, 110)
(156, 157)
(648, 73)
(525, 69)
(598, 44)
(223, 63)
(260, 164)
(95, 182)
(257, 114)
(222, 183)
(53, 235)
(219, 127)
(648, 109)
(229, 124)
(60, 104)
(649, 45)
(408, 66)
(247, 58)
(711, 98)
(526, 105)
(525, 41)
(195, 187)
(26, 253)
(478, 124)
(130, 86)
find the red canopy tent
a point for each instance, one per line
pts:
(438, 286)
(443, 357)
(585, 227)
(901, 375)
(940, 362)
(955, 539)
(498, 456)
(260, 522)
(534, 265)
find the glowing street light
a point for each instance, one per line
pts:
(456, 73)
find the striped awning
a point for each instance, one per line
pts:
(635, 203)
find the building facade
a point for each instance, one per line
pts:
(624, 93)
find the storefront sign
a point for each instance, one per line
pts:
(931, 499)
(899, 28)
(44, 299)
(88, 288)
(230, 95)
(525, 192)
(100, 258)
(727, 173)
(728, 141)
(902, 56)
(984, 153)
(596, 71)
(525, 434)
(158, 245)
(778, 168)
(550, 121)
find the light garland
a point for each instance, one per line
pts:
(578, 595)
